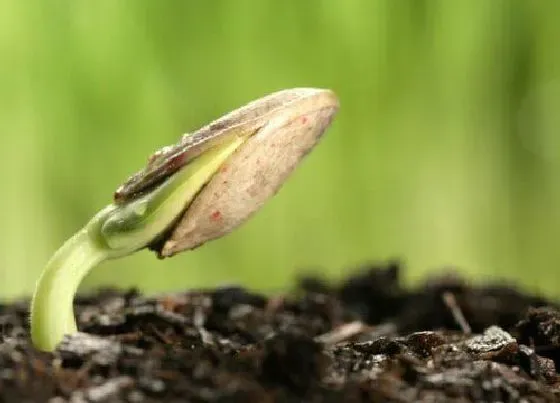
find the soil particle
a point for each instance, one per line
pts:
(367, 339)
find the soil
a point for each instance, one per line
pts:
(366, 339)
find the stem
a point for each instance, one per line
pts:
(52, 315)
(116, 231)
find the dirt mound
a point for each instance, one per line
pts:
(365, 340)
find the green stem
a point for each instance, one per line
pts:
(56, 288)
(116, 231)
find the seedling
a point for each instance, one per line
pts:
(195, 191)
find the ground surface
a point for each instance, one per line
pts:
(364, 340)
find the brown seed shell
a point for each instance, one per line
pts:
(255, 172)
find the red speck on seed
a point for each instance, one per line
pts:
(216, 215)
(224, 169)
(303, 120)
(176, 161)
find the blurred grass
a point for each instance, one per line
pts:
(445, 151)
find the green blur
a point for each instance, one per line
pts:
(445, 152)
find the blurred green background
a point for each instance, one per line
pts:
(446, 150)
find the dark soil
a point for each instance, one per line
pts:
(365, 340)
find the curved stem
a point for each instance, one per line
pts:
(116, 231)
(52, 315)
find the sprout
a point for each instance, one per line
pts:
(195, 191)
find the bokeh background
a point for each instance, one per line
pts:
(446, 150)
